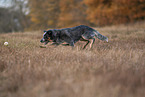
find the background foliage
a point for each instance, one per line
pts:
(44, 14)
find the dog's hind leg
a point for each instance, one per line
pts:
(86, 44)
(92, 42)
(85, 39)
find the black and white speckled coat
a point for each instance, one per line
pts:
(72, 35)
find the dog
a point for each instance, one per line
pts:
(72, 35)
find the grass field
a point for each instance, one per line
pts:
(114, 69)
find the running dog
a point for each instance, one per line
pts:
(72, 35)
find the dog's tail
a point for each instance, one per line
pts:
(100, 36)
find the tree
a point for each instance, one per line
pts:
(108, 12)
(44, 13)
(56, 13)
(72, 13)
(13, 17)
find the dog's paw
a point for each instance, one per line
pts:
(42, 46)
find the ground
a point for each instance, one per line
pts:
(114, 69)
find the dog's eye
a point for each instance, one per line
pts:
(45, 37)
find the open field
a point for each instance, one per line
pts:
(114, 69)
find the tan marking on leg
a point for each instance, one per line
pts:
(86, 45)
(84, 39)
(91, 40)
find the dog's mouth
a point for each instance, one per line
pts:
(44, 41)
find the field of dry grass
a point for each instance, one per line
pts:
(114, 69)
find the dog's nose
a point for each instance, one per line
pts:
(41, 40)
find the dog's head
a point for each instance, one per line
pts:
(47, 37)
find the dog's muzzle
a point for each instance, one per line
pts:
(42, 40)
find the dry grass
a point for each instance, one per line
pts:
(114, 69)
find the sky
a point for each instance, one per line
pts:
(9, 3)
(5, 3)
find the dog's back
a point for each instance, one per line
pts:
(77, 32)
(72, 35)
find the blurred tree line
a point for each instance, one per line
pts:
(43, 14)
(13, 17)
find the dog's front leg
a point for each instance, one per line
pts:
(72, 45)
(54, 43)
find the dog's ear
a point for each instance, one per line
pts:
(50, 32)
